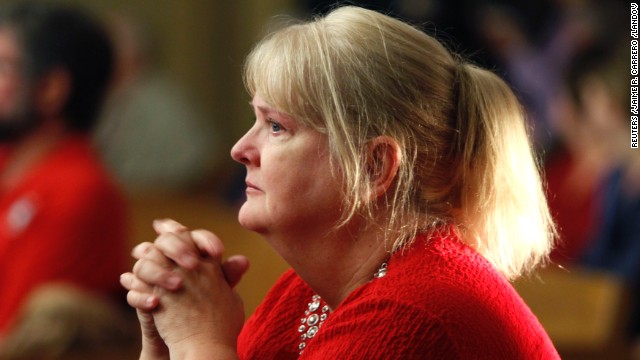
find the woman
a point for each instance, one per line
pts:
(399, 184)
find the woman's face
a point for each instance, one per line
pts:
(291, 189)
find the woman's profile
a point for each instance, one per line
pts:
(399, 183)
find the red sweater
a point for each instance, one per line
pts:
(439, 300)
(65, 222)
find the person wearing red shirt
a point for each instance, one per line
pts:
(62, 218)
(399, 183)
(424, 302)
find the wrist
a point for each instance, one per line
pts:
(151, 351)
(204, 351)
(145, 355)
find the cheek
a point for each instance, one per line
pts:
(314, 188)
(284, 189)
(303, 192)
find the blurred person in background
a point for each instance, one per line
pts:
(600, 89)
(63, 234)
(150, 134)
(534, 61)
(594, 176)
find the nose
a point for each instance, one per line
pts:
(245, 150)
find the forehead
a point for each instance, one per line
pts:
(259, 104)
(263, 108)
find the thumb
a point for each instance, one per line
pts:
(208, 243)
(234, 268)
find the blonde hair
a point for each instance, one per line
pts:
(466, 158)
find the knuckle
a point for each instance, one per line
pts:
(125, 281)
(170, 225)
(141, 249)
(133, 299)
(137, 266)
(173, 244)
(138, 285)
(155, 255)
(167, 240)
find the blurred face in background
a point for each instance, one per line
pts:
(15, 109)
(603, 117)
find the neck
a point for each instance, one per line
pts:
(26, 152)
(334, 263)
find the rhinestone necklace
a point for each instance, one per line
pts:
(317, 312)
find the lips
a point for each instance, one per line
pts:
(251, 186)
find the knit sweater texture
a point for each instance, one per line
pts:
(440, 299)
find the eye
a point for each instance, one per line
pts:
(276, 127)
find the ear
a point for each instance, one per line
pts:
(52, 93)
(383, 161)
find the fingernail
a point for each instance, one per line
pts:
(149, 301)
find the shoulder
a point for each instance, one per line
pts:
(69, 189)
(76, 161)
(441, 298)
(74, 174)
(440, 273)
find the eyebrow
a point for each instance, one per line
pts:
(263, 108)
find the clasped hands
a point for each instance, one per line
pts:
(183, 294)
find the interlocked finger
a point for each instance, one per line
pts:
(141, 295)
(141, 249)
(142, 301)
(156, 274)
(208, 244)
(162, 226)
(131, 282)
(179, 247)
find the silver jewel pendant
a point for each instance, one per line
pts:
(312, 321)
(382, 271)
(314, 305)
(312, 332)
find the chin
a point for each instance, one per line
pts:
(248, 219)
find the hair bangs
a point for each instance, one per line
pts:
(279, 71)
